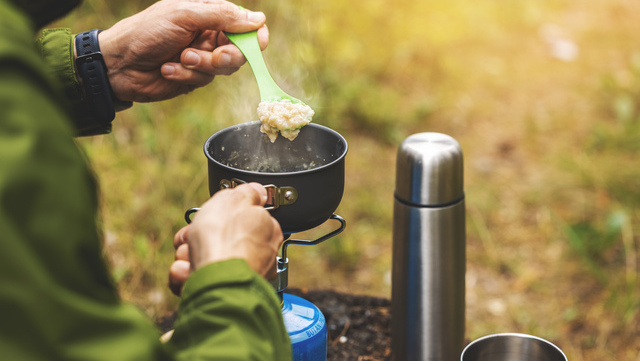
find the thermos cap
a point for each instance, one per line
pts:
(429, 170)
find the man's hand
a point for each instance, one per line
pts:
(175, 46)
(232, 224)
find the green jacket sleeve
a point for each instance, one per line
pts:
(228, 312)
(57, 300)
(56, 48)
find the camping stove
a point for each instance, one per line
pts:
(304, 321)
(304, 180)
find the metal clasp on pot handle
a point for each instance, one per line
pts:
(276, 196)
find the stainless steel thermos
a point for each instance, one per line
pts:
(428, 272)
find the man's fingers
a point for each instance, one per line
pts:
(217, 57)
(178, 73)
(207, 40)
(182, 252)
(276, 238)
(252, 194)
(255, 192)
(198, 68)
(216, 62)
(272, 272)
(178, 275)
(180, 237)
(263, 37)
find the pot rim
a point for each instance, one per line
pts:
(275, 174)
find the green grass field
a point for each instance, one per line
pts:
(543, 96)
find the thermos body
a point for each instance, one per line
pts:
(429, 241)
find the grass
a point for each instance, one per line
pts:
(551, 141)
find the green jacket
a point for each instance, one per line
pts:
(57, 300)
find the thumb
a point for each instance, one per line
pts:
(223, 16)
(252, 193)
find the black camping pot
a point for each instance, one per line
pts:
(304, 178)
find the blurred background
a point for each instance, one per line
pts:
(542, 95)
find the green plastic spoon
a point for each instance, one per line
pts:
(250, 47)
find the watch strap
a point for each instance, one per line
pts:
(101, 104)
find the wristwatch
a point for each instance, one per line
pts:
(101, 103)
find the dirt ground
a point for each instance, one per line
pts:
(359, 327)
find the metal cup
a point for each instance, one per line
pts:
(512, 347)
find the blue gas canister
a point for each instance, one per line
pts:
(307, 328)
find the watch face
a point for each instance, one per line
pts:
(43, 12)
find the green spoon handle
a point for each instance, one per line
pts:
(250, 47)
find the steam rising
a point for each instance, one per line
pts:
(290, 63)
